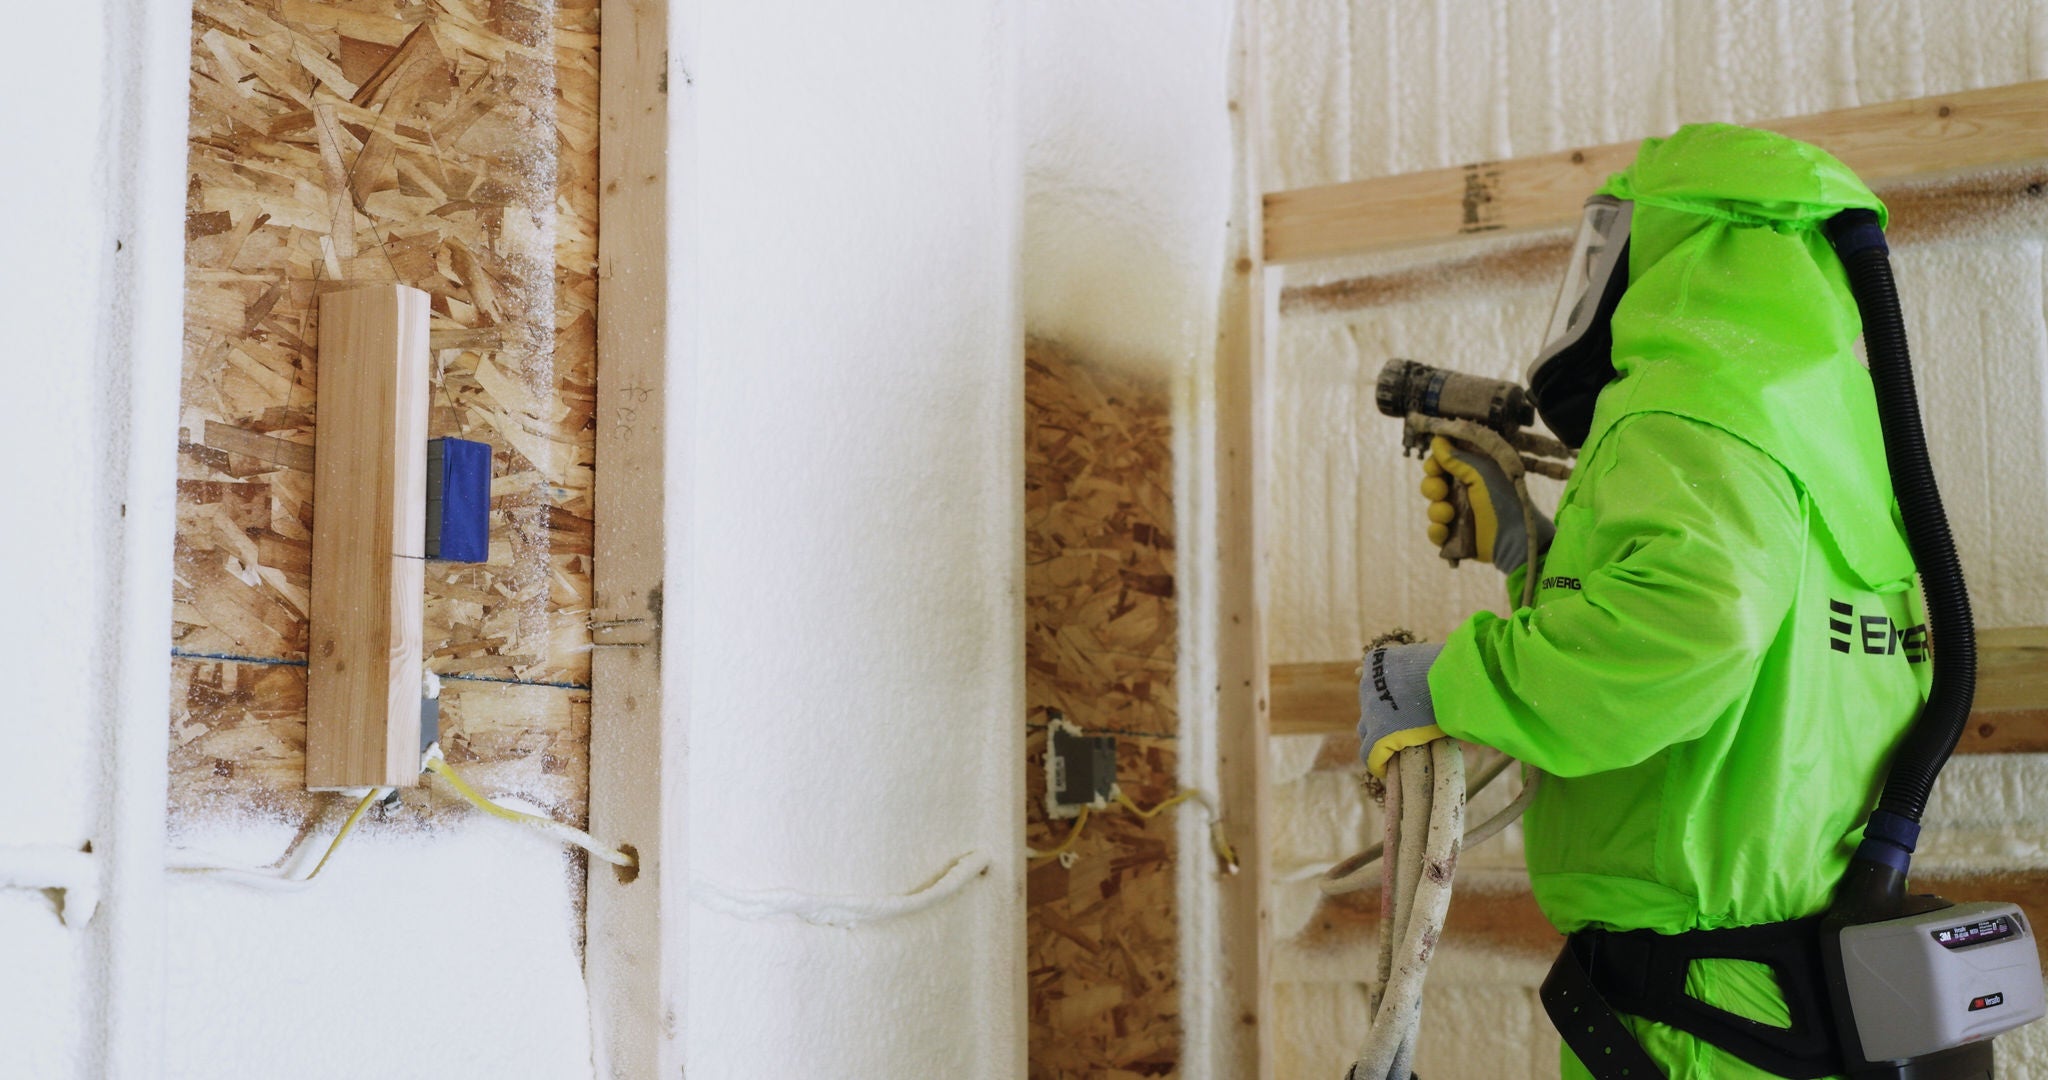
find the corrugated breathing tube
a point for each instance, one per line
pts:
(1877, 875)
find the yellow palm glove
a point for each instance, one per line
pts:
(1481, 516)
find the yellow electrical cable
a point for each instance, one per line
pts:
(347, 827)
(475, 798)
(1066, 845)
(1217, 842)
(439, 766)
(1221, 846)
(1155, 811)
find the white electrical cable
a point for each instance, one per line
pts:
(1307, 872)
(214, 868)
(839, 911)
(433, 761)
(277, 877)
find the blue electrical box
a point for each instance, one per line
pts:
(458, 500)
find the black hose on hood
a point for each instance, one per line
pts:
(1895, 825)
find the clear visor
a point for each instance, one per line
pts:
(1604, 227)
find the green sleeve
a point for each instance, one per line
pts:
(1687, 545)
(1516, 577)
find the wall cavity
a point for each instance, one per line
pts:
(450, 147)
(1128, 168)
(847, 417)
(1101, 649)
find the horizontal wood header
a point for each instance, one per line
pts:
(1919, 139)
(2010, 715)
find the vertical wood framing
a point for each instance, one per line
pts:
(1245, 914)
(633, 951)
(369, 517)
(1241, 688)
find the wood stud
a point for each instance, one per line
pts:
(637, 957)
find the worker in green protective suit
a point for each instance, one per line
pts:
(1727, 641)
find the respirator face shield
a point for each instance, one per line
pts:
(1577, 358)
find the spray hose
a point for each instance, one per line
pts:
(1425, 819)
(1425, 829)
(1876, 877)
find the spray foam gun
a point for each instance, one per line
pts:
(1485, 416)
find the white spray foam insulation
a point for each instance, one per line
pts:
(1292, 756)
(1129, 197)
(1512, 1033)
(93, 299)
(1987, 814)
(2023, 1054)
(1374, 89)
(1326, 1023)
(449, 954)
(1319, 813)
(55, 434)
(43, 991)
(1421, 86)
(851, 598)
(1127, 158)
(96, 304)
(1980, 346)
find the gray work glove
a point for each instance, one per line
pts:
(1500, 535)
(1395, 712)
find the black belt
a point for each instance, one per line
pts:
(1641, 973)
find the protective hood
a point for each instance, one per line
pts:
(1739, 315)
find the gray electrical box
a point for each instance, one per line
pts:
(1941, 978)
(1080, 769)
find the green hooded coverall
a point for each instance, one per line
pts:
(1727, 641)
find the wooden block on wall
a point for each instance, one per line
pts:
(369, 523)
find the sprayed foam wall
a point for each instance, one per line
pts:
(1382, 88)
(90, 293)
(852, 421)
(46, 774)
(1127, 179)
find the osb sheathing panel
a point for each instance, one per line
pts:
(1100, 647)
(450, 145)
